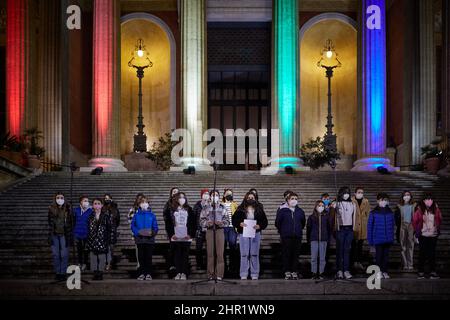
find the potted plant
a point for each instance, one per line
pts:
(315, 155)
(11, 148)
(34, 151)
(432, 156)
(161, 152)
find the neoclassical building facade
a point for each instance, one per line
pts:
(227, 65)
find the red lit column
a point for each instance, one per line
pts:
(17, 64)
(106, 125)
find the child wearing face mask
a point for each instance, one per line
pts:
(230, 233)
(344, 214)
(81, 216)
(166, 216)
(182, 216)
(380, 233)
(360, 235)
(60, 234)
(318, 233)
(200, 235)
(427, 223)
(290, 222)
(249, 247)
(99, 238)
(214, 226)
(112, 210)
(405, 230)
(144, 227)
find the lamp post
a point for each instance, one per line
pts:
(329, 62)
(140, 139)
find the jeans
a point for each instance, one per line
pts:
(290, 250)
(318, 249)
(145, 252)
(407, 244)
(219, 268)
(60, 254)
(231, 235)
(427, 253)
(181, 256)
(199, 254)
(82, 253)
(249, 248)
(98, 262)
(344, 238)
(382, 256)
(110, 255)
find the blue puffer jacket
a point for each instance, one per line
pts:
(144, 220)
(80, 231)
(381, 226)
(290, 224)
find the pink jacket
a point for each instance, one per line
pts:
(418, 221)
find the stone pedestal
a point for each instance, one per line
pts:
(138, 161)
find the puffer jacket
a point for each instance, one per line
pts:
(290, 224)
(99, 235)
(381, 226)
(81, 218)
(319, 227)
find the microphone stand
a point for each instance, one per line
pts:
(214, 277)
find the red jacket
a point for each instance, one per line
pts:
(418, 221)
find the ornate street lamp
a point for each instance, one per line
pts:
(329, 61)
(140, 55)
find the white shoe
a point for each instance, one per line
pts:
(340, 275)
(347, 275)
(219, 279)
(177, 277)
(141, 277)
(244, 278)
(254, 278)
(183, 277)
(386, 276)
(379, 276)
(148, 278)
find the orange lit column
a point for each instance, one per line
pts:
(106, 124)
(18, 114)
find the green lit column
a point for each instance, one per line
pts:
(285, 76)
(193, 81)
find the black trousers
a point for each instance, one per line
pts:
(357, 251)
(145, 255)
(427, 253)
(290, 250)
(199, 252)
(82, 253)
(382, 256)
(181, 255)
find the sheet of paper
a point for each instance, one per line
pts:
(249, 230)
(181, 232)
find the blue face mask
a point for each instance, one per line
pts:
(326, 202)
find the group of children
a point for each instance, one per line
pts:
(219, 221)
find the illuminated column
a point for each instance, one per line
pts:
(193, 80)
(373, 113)
(18, 115)
(106, 125)
(285, 107)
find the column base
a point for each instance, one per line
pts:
(279, 165)
(108, 165)
(372, 164)
(200, 164)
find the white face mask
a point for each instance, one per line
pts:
(383, 203)
(406, 198)
(182, 201)
(359, 196)
(85, 205)
(346, 196)
(59, 202)
(144, 206)
(293, 203)
(205, 197)
(320, 209)
(216, 199)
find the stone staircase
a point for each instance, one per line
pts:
(24, 252)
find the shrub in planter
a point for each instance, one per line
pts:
(161, 152)
(315, 155)
(34, 151)
(12, 148)
(433, 155)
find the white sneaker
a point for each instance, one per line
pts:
(340, 275)
(254, 278)
(141, 277)
(294, 276)
(347, 275)
(219, 278)
(177, 277)
(379, 276)
(148, 278)
(386, 276)
(183, 277)
(243, 278)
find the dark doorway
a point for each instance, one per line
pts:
(239, 82)
(2, 90)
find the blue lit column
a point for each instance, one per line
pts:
(373, 110)
(286, 81)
